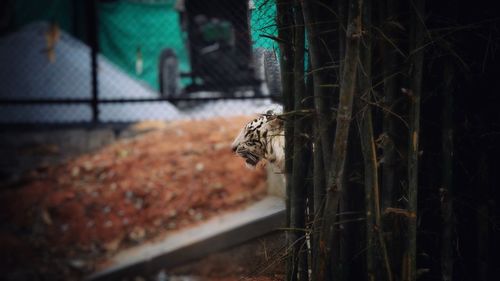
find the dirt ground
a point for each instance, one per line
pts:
(64, 218)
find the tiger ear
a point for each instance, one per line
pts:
(270, 112)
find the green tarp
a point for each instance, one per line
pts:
(263, 22)
(131, 32)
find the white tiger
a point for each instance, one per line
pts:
(262, 138)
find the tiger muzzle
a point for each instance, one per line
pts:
(249, 157)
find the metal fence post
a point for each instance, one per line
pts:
(92, 17)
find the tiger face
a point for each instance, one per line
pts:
(262, 138)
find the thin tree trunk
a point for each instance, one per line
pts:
(374, 230)
(447, 179)
(391, 64)
(370, 221)
(301, 155)
(372, 192)
(323, 118)
(309, 102)
(285, 27)
(322, 94)
(390, 92)
(318, 175)
(342, 22)
(369, 156)
(336, 180)
(416, 44)
(319, 195)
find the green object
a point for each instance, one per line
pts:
(263, 22)
(264, 28)
(133, 34)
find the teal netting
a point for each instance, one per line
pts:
(131, 34)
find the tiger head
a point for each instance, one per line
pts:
(262, 138)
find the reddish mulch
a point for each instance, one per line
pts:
(128, 192)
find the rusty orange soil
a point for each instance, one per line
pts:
(131, 191)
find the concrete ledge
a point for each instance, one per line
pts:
(193, 243)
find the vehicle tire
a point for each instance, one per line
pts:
(272, 74)
(267, 70)
(169, 77)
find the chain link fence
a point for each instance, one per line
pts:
(123, 61)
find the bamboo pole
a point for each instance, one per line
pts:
(366, 137)
(416, 71)
(335, 182)
(342, 19)
(321, 93)
(285, 26)
(301, 153)
(319, 195)
(447, 175)
(323, 139)
(374, 229)
(372, 193)
(389, 57)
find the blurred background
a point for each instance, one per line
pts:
(115, 61)
(116, 119)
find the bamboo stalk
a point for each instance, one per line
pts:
(321, 94)
(416, 42)
(373, 216)
(447, 176)
(390, 91)
(321, 125)
(342, 19)
(374, 226)
(335, 183)
(372, 195)
(370, 223)
(319, 195)
(366, 136)
(391, 62)
(301, 153)
(285, 27)
(341, 244)
(447, 141)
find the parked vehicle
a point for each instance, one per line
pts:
(217, 36)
